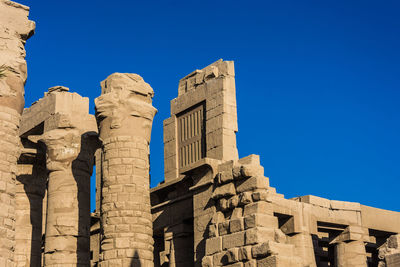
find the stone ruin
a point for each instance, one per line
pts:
(213, 209)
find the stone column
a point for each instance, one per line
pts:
(350, 253)
(125, 116)
(65, 243)
(15, 29)
(350, 247)
(30, 190)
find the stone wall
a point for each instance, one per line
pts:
(212, 90)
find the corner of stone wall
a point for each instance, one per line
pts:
(243, 230)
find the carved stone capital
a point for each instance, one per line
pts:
(62, 147)
(124, 108)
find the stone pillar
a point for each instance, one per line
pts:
(65, 242)
(350, 247)
(125, 116)
(350, 254)
(15, 29)
(30, 190)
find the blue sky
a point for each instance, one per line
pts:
(318, 84)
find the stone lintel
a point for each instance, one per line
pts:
(48, 109)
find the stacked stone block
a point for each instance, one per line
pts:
(214, 88)
(15, 29)
(125, 116)
(389, 252)
(127, 225)
(66, 241)
(244, 230)
(30, 191)
(9, 153)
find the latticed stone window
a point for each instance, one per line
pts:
(191, 136)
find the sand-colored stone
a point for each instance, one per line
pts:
(15, 29)
(213, 209)
(59, 127)
(125, 117)
(30, 192)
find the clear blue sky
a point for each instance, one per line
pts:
(318, 84)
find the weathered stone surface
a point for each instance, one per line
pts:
(125, 116)
(15, 29)
(213, 210)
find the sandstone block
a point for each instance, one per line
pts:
(207, 261)
(258, 235)
(213, 245)
(252, 170)
(237, 213)
(237, 172)
(251, 184)
(317, 201)
(252, 159)
(223, 228)
(224, 177)
(236, 264)
(213, 230)
(245, 198)
(236, 225)
(223, 204)
(233, 240)
(278, 261)
(392, 260)
(345, 205)
(233, 202)
(259, 219)
(250, 263)
(220, 259)
(226, 190)
(261, 207)
(262, 196)
(245, 253)
(272, 248)
(232, 255)
(217, 217)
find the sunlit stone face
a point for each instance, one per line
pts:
(124, 108)
(63, 146)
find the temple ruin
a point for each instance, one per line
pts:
(213, 208)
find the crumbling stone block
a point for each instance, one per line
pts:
(233, 240)
(260, 220)
(252, 183)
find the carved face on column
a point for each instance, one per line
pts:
(15, 29)
(63, 146)
(124, 108)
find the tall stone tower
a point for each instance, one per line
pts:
(15, 29)
(125, 116)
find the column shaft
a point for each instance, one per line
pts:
(9, 152)
(126, 217)
(67, 227)
(31, 186)
(350, 254)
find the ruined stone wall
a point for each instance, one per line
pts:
(15, 29)
(238, 219)
(203, 120)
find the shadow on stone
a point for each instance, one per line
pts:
(82, 168)
(136, 261)
(34, 187)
